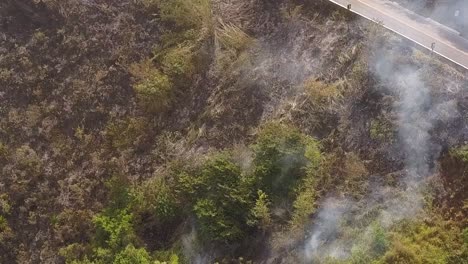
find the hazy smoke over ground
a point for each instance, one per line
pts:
(453, 13)
(330, 236)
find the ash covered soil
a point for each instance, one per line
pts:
(198, 131)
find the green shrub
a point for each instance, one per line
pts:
(114, 231)
(281, 156)
(221, 199)
(305, 203)
(380, 241)
(153, 88)
(460, 153)
(154, 92)
(5, 229)
(5, 205)
(132, 255)
(419, 242)
(260, 215)
(157, 197)
(178, 62)
(167, 257)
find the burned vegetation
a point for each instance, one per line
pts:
(216, 131)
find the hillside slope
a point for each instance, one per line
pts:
(199, 131)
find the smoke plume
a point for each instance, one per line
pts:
(344, 226)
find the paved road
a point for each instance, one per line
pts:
(421, 30)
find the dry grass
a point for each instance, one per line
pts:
(231, 37)
(320, 93)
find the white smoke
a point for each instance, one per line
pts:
(417, 115)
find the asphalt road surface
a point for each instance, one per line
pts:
(428, 33)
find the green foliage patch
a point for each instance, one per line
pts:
(281, 156)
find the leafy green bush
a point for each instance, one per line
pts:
(132, 255)
(114, 231)
(220, 196)
(281, 157)
(157, 197)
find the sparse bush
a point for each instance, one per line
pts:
(460, 153)
(187, 14)
(154, 92)
(125, 133)
(233, 45)
(292, 13)
(400, 253)
(380, 129)
(355, 175)
(305, 203)
(3, 151)
(321, 94)
(153, 88)
(73, 225)
(150, 4)
(178, 62)
(28, 160)
(5, 205)
(5, 229)
(233, 38)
